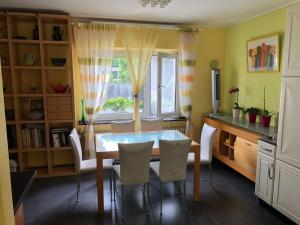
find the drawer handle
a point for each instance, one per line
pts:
(270, 167)
(266, 149)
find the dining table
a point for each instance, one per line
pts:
(107, 148)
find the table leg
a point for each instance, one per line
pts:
(100, 183)
(197, 174)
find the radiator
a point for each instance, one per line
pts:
(180, 129)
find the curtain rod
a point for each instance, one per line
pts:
(131, 23)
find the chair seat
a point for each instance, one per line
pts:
(191, 159)
(91, 164)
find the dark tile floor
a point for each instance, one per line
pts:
(231, 201)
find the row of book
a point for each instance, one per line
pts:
(33, 136)
(60, 137)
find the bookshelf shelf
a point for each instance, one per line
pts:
(29, 89)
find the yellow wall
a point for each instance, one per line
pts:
(6, 207)
(211, 46)
(251, 84)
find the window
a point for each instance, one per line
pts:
(158, 98)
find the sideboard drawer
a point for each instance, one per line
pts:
(60, 116)
(59, 101)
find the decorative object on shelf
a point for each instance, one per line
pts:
(154, 3)
(83, 114)
(237, 109)
(3, 60)
(29, 59)
(35, 33)
(263, 54)
(252, 113)
(36, 105)
(58, 61)
(59, 88)
(60, 137)
(33, 115)
(57, 33)
(33, 88)
(19, 37)
(266, 115)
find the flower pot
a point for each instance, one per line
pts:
(252, 117)
(235, 113)
(265, 120)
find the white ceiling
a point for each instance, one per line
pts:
(204, 12)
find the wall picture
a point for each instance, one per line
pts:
(263, 54)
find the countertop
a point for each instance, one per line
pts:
(267, 132)
(20, 184)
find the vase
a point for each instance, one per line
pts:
(265, 120)
(235, 113)
(83, 115)
(252, 118)
(29, 59)
(57, 33)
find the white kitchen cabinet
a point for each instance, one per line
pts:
(292, 46)
(286, 197)
(264, 177)
(288, 143)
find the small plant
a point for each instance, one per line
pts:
(253, 110)
(267, 113)
(235, 90)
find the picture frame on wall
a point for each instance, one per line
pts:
(263, 54)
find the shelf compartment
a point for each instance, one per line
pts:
(7, 82)
(59, 136)
(61, 158)
(4, 54)
(55, 77)
(29, 82)
(34, 159)
(28, 105)
(56, 51)
(63, 170)
(3, 27)
(33, 138)
(50, 21)
(11, 137)
(22, 24)
(9, 109)
(21, 51)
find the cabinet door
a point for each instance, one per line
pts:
(288, 144)
(292, 45)
(286, 197)
(264, 177)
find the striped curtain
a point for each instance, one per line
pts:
(94, 44)
(188, 40)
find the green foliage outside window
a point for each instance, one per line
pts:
(120, 104)
(120, 71)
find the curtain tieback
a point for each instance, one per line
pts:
(136, 96)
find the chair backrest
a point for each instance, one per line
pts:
(151, 124)
(135, 162)
(122, 127)
(76, 146)
(207, 142)
(173, 159)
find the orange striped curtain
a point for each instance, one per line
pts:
(188, 39)
(94, 45)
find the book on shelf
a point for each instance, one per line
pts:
(60, 137)
(33, 136)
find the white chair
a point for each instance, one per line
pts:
(86, 165)
(133, 168)
(173, 164)
(206, 145)
(151, 124)
(122, 126)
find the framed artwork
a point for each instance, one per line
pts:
(263, 54)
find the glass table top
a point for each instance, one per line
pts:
(109, 141)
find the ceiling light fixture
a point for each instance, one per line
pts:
(154, 3)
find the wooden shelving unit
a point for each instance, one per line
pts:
(29, 86)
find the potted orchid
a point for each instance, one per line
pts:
(237, 109)
(266, 118)
(252, 113)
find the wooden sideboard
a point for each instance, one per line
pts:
(236, 146)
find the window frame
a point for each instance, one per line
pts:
(103, 116)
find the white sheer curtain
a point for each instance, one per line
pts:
(94, 45)
(188, 42)
(139, 43)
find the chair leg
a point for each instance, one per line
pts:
(122, 202)
(114, 183)
(184, 193)
(78, 186)
(161, 197)
(147, 199)
(210, 175)
(110, 183)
